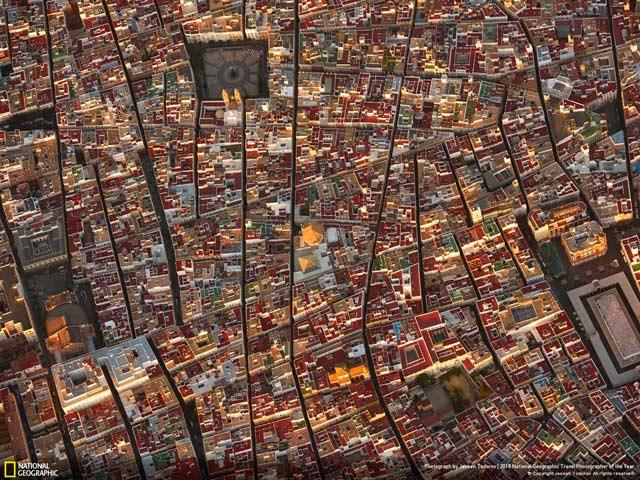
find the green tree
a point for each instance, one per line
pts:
(425, 380)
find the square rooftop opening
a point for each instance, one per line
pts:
(229, 66)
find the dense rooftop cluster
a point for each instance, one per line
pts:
(362, 271)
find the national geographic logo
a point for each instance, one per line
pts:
(13, 469)
(10, 470)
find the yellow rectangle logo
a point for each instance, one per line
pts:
(10, 469)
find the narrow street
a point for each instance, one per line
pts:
(150, 178)
(292, 232)
(127, 423)
(371, 365)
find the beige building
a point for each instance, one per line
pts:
(584, 242)
(551, 223)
